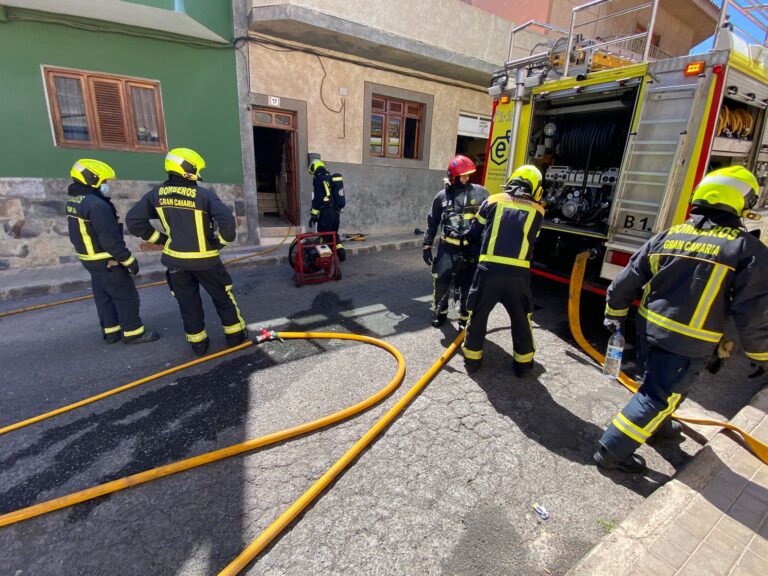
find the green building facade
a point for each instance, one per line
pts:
(183, 49)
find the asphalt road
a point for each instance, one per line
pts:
(448, 489)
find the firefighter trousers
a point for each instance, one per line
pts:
(513, 289)
(116, 298)
(668, 377)
(185, 286)
(453, 266)
(329, 220)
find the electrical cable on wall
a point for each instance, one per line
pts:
(342, 109)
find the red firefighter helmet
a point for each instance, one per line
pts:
(459, 166)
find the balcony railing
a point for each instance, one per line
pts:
(633, 47)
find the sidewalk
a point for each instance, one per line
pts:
(710, 520)
(39, 281)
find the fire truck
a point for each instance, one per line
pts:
(621, 138)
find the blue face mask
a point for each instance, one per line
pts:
(105, 188)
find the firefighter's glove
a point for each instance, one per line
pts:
(426, 253)
(719, 354)
(132, 267)
(612, 324)
(312, 221)
(724, 348)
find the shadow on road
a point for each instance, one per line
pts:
(529, 404)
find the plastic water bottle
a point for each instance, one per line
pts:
(613, 355)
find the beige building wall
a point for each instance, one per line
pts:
(449, 24)
(337, 133)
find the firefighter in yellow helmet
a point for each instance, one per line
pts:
(328, 201)
(690, 279)
(508, 223)
(195, 224)
(97, 236)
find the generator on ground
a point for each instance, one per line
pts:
(314, 258)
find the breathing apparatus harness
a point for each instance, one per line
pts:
(453, 223)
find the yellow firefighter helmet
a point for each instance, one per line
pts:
(529, 177)
(185, 162)
(733, 189)
(91, 172)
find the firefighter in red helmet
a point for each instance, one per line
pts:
(453, 210)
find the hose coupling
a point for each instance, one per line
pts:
(264, 335)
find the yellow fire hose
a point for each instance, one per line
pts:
(759, 448)
(247, 446)
(140, 286)
(274, 529)
(123, 388)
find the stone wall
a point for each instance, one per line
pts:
(33, 221)
(385, 200)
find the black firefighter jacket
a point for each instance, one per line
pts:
(453, 209)
(94, 229)
(509, 225)
(327, 191)
(196, 222)
(692, 277)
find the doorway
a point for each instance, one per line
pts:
(274, 142)
(472, 141)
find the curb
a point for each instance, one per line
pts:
(649, 525)
(154, 275)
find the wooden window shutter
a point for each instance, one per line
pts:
(109, 108)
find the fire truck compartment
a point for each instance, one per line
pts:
(577, 140)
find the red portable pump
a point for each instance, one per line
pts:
(314, 258)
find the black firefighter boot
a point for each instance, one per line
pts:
(439, 318)
(472, 366)
(632, 464)
(521, 369)
(237, 338)
(143, 338)
(200, 348)
(670, 429)
(112, 338)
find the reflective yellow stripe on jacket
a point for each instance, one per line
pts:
(695, 328)
(199, 227)
(90, 253)
(678, 327)
(616, 311)
(200, 231)
(521, 260)
(453, 241)
(711, 290)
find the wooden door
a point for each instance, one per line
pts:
(285, 121)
